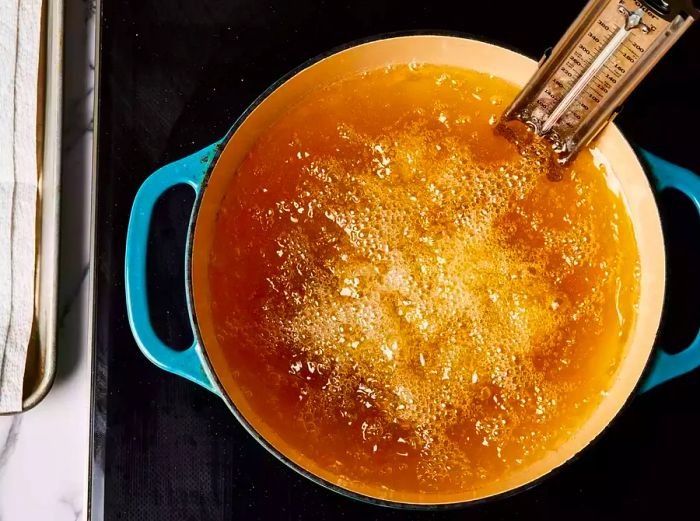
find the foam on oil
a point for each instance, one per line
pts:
(406, 296)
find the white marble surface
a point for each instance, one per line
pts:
(44, 452)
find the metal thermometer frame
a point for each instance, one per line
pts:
(521, 109)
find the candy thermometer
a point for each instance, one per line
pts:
(581, 84)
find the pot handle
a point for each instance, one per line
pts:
(667, 366)
(189, 171)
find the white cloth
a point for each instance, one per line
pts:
(20, 28)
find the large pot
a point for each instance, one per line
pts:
(209, 171)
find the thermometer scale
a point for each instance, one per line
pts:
(603, 56)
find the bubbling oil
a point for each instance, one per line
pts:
(405, 296)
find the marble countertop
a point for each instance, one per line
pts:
(44, 452)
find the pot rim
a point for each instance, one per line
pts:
(208, 366)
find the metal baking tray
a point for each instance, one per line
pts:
(41, 355)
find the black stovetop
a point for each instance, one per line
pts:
(174, 76)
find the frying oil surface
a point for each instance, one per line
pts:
(403, 294)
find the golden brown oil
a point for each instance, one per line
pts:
(405, 296)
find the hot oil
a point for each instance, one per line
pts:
(405, 296)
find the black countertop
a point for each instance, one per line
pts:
(174, 76)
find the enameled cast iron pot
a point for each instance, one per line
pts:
(209, 171)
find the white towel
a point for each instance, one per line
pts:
(20, 28)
